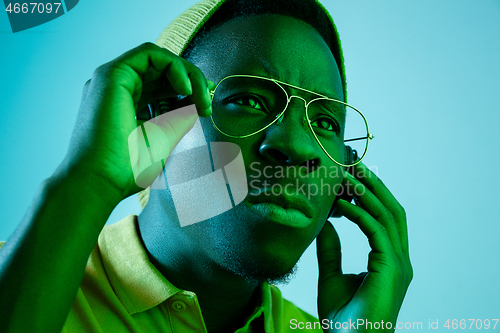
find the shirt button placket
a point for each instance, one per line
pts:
(179, 306)
(185, 313)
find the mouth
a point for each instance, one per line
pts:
(293, 211)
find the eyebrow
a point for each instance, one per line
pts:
(272, 73)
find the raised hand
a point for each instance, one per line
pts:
(348, 301)
(111, 99)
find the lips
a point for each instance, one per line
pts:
(286, 201)
(290, 210)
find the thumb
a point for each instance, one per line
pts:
(152, 143)
(329, 252)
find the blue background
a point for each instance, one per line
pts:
(426, 74)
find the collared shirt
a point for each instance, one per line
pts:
(123, 292)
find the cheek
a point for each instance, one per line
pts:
(325, 185)
(211, 134)
(249, 146)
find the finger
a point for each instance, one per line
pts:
(329, 253)
(154, 81)
(151, 144)
(373, 206)
(161, 89)
(149, 61)
(211, 85)
(332, 283)
(375, 232)
(201, 93)
(151, 80)
(178, 77)
(378, 188)
(181, 74)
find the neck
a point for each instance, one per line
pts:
(225, 298)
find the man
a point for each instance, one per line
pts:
(152, 274)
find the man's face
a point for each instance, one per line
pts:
(263, 237)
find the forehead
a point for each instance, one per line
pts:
(273, 46)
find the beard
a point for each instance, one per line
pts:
(256, 272)
(259, 277)
(250, 252)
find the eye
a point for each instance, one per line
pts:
(327, 124)
(250, 101)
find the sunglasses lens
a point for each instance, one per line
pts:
(245, 105)
(335, 124)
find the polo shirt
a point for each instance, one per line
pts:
(123, 292)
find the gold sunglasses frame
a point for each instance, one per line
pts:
(279, 117)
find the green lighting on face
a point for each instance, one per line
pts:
(245, 105)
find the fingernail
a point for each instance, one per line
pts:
(210, 84)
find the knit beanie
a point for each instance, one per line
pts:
(178, 35)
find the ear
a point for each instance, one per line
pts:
(350, 156)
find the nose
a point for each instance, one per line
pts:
(289, 141)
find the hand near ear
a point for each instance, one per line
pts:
(376, 295)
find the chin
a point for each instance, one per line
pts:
(272, 274)
(254, 248)
(259, 267)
